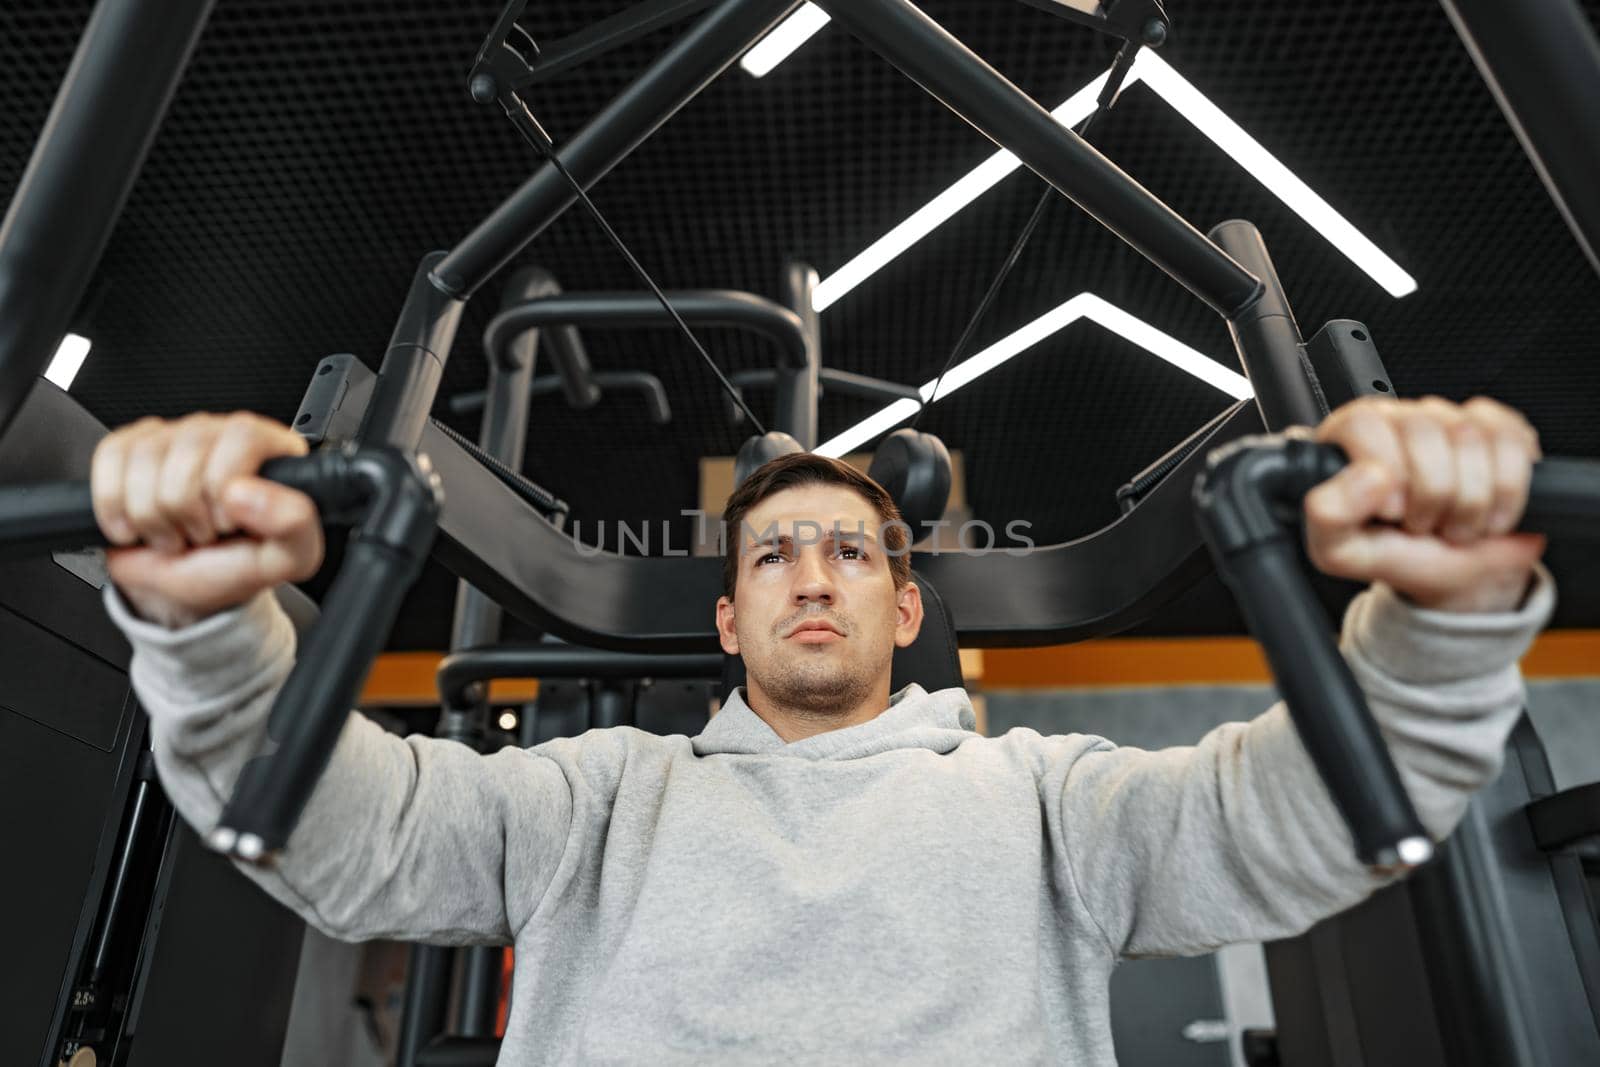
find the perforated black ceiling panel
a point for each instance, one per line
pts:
(316, 150)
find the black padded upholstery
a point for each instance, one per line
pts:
(932, 660)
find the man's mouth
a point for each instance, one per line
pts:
(815, 632)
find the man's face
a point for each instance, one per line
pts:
(815, 612)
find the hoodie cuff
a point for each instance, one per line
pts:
(213, 658)
(1430, 647)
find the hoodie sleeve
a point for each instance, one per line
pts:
(416, 839)
(1235, 839)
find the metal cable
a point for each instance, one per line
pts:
(994, 285)
(540, 140)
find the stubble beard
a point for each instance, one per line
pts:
(812, 682)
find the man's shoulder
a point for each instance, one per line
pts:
(1022, 742)
(618, 745)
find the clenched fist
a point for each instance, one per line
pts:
(1429, 501)
(197, 531)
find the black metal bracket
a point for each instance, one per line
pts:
(461, 675)
(1568, 819)
(507, 65)
(1141, 22)
(1346, 363)
(846, 383)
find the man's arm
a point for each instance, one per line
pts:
(1236, 839)
(419, 839)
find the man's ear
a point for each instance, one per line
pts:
(908, 615)
(725, 631)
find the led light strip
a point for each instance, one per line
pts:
(68, 360)
(935, 212)
(1282, 182)
(1083, 306)
(1192, 104)
(785, 37)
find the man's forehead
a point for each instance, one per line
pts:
(825, 506)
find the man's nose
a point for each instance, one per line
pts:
(812, 581)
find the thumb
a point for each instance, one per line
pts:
(266, 509)
(284, 519)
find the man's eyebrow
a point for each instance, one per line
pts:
(766, 540)
(855, 535)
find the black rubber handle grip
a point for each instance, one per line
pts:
(1563, 497)
(395, 498)
(387, 550)
(310, 710)
(48, 516)
(1249, 500)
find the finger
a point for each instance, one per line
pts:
(141, 479)
(244, 442)
(1367, 430)
(1513, 475)
(1513, 446)
(1348, 500)
(1466, 518)
(180, 493)
(280, 516)
(204, 580)
(1503, 419)
(1422, 565)
(105, 480)
(1430, 464)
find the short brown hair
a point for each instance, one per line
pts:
(808, 468)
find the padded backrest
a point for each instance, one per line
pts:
(932, 660)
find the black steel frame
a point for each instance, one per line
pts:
(495, 539)
(509, 555)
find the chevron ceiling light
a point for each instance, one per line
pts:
(1157, 74)
(1083, 306)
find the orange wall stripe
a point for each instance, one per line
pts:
(1218, 660)
(1126, 661)
(406, 678)
(1564, 654)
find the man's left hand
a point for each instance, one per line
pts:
(1429, 501)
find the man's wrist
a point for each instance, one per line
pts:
(159, 610)
(1501, 594)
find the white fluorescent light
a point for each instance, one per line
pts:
(933, 214)
(68, 359)
(1209, 119)
(974, 367)
(868, 428)
(1084, 305)
(1167, 347)
(1262, 165)
(785, 37)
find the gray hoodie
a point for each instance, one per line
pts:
(902, 891)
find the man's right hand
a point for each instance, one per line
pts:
(196, 532)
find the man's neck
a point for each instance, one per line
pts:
(796, 724)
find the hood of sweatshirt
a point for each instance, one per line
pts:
(915, 718)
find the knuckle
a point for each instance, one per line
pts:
(180, 499)
(1466, 434)
(141, 510)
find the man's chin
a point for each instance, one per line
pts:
(815, 679)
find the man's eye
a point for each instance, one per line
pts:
(850, 552)
(769, 556)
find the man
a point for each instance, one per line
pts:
(830, 873)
